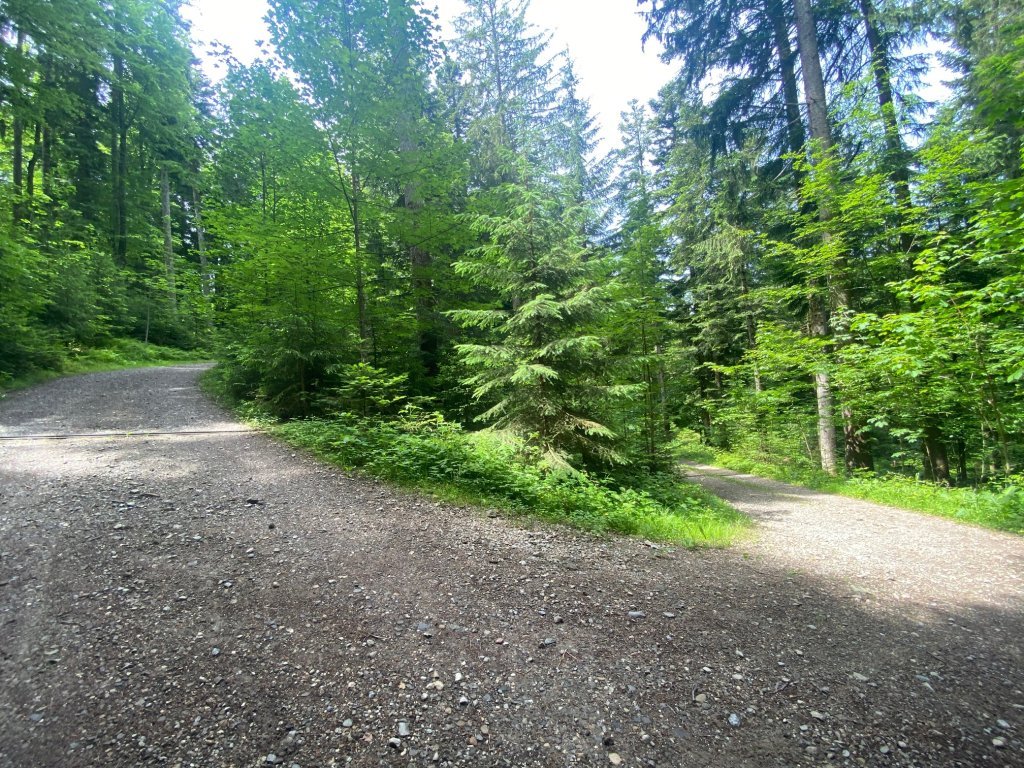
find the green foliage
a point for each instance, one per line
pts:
(99, 104)
(115, 354)
(367, 391)
(496, 468)
(540, 366)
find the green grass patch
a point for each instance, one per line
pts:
(495, 469)
(118, 354)
(1000, 507)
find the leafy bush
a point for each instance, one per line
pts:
(495, 468)
(114, 354)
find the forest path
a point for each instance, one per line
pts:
(905, 557)
(206, 596)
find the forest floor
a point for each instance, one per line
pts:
(206, 596)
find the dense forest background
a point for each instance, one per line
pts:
(790, 255)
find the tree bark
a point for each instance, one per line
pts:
(937, 467)
(18, 146)
(961, 461)
(47, 161)
(165, 207)
(787, 71)
(821, 135)
(361, 308)
(857, 444)
(119, 165)
(204, 267)
(33, 162)
(896, 160)
(420, 262)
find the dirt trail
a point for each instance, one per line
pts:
(903, 557)
(210, 598)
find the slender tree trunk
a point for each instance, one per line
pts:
(165, 207)
(420, 263)
(204, 267)
(751, 325)
(996, 413)
(33, 162)
(896, 160)
(263, 187)
(47, 161)
(961, 462)
(18, 146)
(361, 308)
(119, 165)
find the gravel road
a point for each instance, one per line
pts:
(209, 597)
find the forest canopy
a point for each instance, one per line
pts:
(789, 256)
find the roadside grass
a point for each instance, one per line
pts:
(493, 469)
(118, 354)
(999, 507)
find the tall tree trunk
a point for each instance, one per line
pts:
(357, 240)
(787, 72)
(33, 162)
(896, 160)
(47, 161)
(165, 208)
(204, 267)
(937, 467)
(821, 135)
(119, 165)
(751, 324)
(263, 187)
(961, 461)
(420, 262)
(18, 145)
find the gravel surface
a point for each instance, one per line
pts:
(212, 598)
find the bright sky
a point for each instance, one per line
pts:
(603, 38)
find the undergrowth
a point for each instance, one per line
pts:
(117, 354)
(496, 469)
(424, 451)
(998, 506)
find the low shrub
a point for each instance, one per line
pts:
(496, 469)
(114, 354)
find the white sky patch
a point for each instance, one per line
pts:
(603, 38)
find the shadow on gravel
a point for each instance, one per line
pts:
(216, 600)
